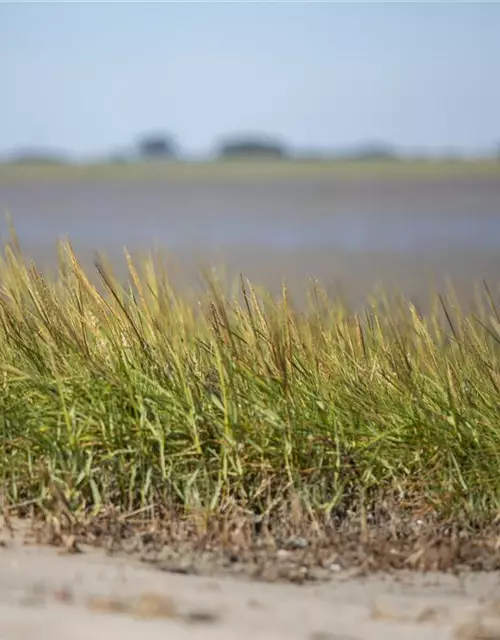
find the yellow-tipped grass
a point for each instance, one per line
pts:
(128, 397)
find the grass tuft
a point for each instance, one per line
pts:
(129, 397)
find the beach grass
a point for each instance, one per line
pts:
(130, 397)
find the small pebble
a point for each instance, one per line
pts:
(201, 617)
(297, 542)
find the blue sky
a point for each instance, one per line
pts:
(90, 77)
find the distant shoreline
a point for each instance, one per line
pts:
(261, 170)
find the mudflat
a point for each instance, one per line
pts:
(351, 228)
(368, 214)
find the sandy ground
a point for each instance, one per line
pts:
(46, 594)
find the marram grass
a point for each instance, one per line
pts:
(129, 397)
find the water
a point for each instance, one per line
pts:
(391, 217)
(352, 236)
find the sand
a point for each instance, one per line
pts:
(48, 594)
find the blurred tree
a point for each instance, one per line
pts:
(252, 147)
(37, 156)
(157, 147)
